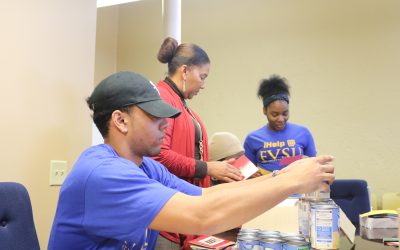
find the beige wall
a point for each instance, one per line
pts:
(47, 65)
(340, 57)
(106, 42)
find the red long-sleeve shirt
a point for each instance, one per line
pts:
(178, 148)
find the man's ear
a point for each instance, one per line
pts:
(119, 120)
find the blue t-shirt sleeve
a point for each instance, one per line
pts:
(122, 194)
(249, 150)
(310, 147)
(159, 172)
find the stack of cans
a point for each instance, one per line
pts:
(319, 220)
(318, 227)
(305, 208)
(252, 239)
(324, 227)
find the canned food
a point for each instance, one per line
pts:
(304, 217)
(324, 227)
(286, 235)
(273, 234)
(295, 238)
(296, 245)
(317, 196)
(271, 243)
(248, 242)
(249, 230)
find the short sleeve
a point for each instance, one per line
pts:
(121, 193)
(310, 149)
(159, 172)
(248, 149)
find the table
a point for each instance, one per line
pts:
(361, 242)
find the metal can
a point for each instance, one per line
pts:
(248, 242)
(248, 231)
(304, 217)
(324, 227)
(294, 238)
(317, 196)
(271, 243)
(296, 245)
(266, 233)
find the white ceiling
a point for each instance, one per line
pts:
(104, 3)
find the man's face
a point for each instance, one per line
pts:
(145, 132)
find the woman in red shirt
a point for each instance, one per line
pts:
(185, 148)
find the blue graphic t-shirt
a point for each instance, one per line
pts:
(266, 148)
(107, 202)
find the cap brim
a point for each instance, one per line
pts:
(159, 108)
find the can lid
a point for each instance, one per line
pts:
(272, 240)
(247, 237)
(295, 238)
(269, 236)
(297, 243)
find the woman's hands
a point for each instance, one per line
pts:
(223, 171)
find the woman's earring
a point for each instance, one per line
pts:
(184, 86)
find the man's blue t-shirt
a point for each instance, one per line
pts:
(266, 148)
(107, 202)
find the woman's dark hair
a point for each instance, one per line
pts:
(102, 117)
(272, 89)
(184, 54)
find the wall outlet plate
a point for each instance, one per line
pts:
(58, 172)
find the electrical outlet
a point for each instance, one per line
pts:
(58, 172)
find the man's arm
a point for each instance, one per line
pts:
(232, 204)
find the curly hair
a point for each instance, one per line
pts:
(273, 86)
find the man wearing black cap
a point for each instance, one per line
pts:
(117, 198)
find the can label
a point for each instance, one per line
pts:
(324, 228)
(248, 242)
(249, 245)
(271, 245)
(304, 217)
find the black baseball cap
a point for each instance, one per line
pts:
(127, 88)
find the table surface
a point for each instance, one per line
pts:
(360, 242)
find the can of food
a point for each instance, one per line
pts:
(317, 196)
(267, 233)
(296, 245)
(304, 216)
(248, 242)
(271, 243)
(294, 238)
(249, 230)
(324, 227)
